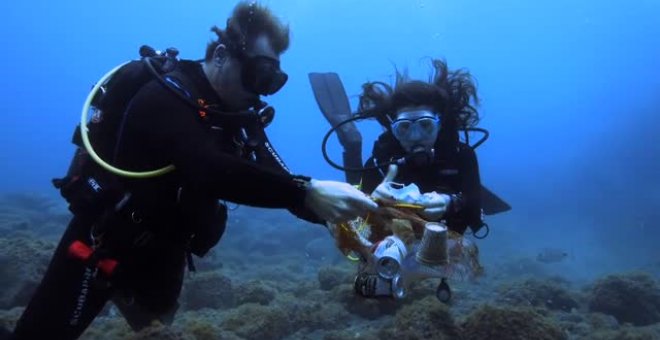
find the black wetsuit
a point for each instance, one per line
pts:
(454, 170)
(166, 217)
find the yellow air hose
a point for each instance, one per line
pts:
(90, 149)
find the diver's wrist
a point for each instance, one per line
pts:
(455, 202)
(303, 182)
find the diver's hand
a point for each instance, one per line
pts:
(337, 202)
(435, 205)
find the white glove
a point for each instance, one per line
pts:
(337, 202)
(435, 205)
(384, 189)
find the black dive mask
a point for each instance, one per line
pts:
(262, 75)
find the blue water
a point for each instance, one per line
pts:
(570, 95)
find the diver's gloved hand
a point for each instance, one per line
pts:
(337, 202)
(435, 205)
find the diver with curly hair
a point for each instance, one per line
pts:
(421, 149)
(422, 122)
(423, 170)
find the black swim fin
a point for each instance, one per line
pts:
(491, 203)
(333, 102)
(5, 334)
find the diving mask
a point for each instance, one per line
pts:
(421, 128)
(262, 74)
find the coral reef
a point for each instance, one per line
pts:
(20, 212)
(32, 201)
(160, 332)
(208, 289)
(370, 309)
(253, 321)
(319, 311)
(424, 319)
(238, 294)
(201, 324)
(12, 221)
(255, 291)
(602, 321)
(536, 293)
(331, 276)
(108, 328)
(24, 259)
(511, 323)
(208, 262)
(633, 298)
(627, 333)
(578, 325)
(204, 325)
(348, 334)
(9, 317)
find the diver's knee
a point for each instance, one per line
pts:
(138, 316)
(5, 334)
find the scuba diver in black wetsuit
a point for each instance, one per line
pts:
(421, 145)
(422, 121)
(133, 231)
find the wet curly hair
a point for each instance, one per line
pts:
(247, 22)
(451, 94)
